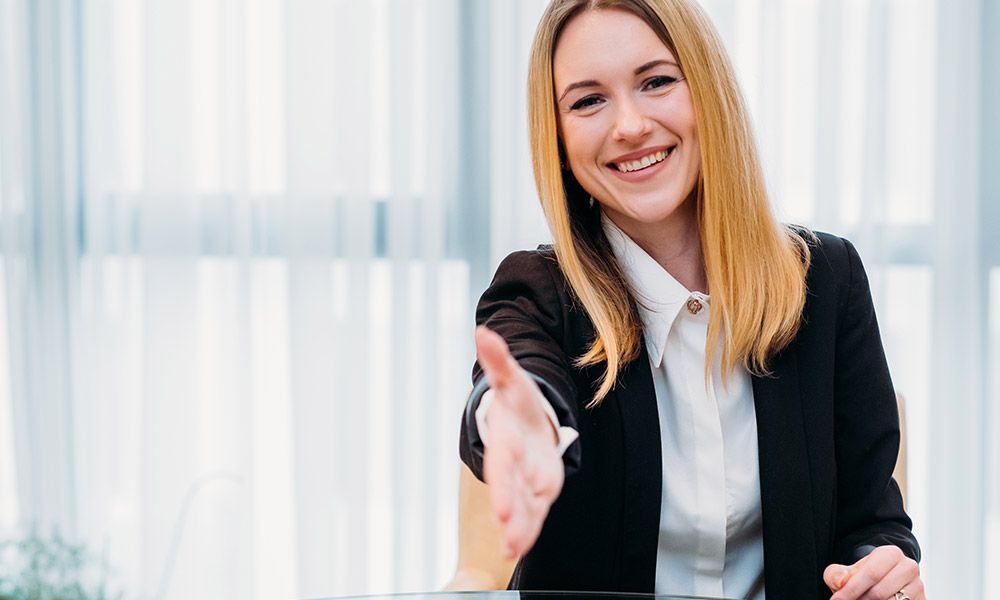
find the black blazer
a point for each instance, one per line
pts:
(828, 436)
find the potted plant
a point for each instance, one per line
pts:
(51, 568)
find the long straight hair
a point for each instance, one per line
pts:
(755, 266)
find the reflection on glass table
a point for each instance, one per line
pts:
(519, 595)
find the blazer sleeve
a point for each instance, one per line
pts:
(869, 505)
(527, 306)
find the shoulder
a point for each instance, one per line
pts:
(529, 280)
(831, 257)
(537, 269)
(541, 259)
(836, 279)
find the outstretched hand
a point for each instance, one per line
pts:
(521, 464)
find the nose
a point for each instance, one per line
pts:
(630, 122)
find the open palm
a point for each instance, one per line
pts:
(521, 463)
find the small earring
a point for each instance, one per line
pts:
(591, 202)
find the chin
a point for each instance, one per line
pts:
(650, 213)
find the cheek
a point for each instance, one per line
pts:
(688, 127)
(682, 110)
(692, 133)
(582, 141)
(695, 153)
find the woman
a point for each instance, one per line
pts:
(682, 395)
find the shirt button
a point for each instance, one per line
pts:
(693, 306)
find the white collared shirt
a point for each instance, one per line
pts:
(711, 539)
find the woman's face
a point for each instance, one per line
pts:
(626, 118)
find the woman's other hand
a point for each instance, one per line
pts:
(879, 576)
(520, 463)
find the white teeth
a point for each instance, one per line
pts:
(645, 161)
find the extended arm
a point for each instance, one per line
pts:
(526, 307)
(522, 363)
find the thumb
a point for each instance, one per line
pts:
(836, 576)
(514, 387)
(494, 357)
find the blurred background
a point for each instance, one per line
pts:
(241, 242)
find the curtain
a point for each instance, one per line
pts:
(238, 298)
(241, 242)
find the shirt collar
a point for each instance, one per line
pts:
(658, 295)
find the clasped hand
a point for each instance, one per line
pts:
(521, 464)
(879, 576)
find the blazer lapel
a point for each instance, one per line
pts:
(643, 476)
(789, 538)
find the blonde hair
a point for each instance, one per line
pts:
(755, 266)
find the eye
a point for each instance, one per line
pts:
(586, 102)
(658, 82)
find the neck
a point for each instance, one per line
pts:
(675, 244)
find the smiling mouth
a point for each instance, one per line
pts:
(630, 166)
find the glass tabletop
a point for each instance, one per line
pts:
(515, 595)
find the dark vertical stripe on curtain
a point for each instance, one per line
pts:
(47, 488)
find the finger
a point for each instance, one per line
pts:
(513, 385)
(914, 589)
(494, 357)
(530, 503)
(503, 466)
(516, 534)
(498, 478)
(904, 575)
(551, 483)
(515, 528)
(507, 432)
(539, 498)
(835, 576)
(526, 524)
(499, 468)
(867, 572)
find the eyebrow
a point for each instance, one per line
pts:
(654, 63)
(593, 83)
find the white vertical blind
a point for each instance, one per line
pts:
(991, 533)
(955, 521)
(8, 471)
(516, 219)
(989, 228)
(42, 181)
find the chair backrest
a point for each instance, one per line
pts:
(480, 563)
(899, 473)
